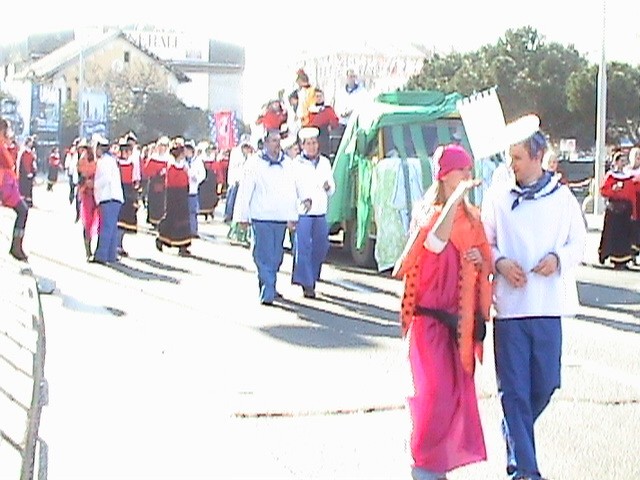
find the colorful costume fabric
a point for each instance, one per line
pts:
(447, 432)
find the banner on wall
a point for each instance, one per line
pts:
(225, 130)
(45, 119)
(94, 114)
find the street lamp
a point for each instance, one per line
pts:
(601, 115)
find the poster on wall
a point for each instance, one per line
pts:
(94, 113)
(224, 130)
(45, 112)
(45, 118)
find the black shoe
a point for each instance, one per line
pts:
(184, 252)
(122, 252)
(308, 292)
(18, 254)
(158, 244)
(98, 261)
(16, 250)
(278, 296)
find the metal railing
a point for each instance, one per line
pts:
(23, 387)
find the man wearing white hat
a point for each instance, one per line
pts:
(315, 186)
(535, 227)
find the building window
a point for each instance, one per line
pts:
(127, 56)
(68, 93)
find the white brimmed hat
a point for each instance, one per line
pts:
(521, 129)
(308, 132)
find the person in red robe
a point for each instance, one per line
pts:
(174, 230)
(54, 168)
(446, 269)
(10, 192)
(155, 169)
(89, 212)
(27, 168)
(325, 119)
(128, 216)
(208, 189)
(620, 189)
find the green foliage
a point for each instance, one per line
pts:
(551, 79)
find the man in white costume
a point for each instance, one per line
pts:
(534, 225)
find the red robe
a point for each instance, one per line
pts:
(272, 120)
(54, 160)
(174, 230)
(620, 186)
(27, 162)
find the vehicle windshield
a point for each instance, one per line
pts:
(422, 140)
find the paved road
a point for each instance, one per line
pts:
(167, 367)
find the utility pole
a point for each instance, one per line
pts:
(601, 115)
(80, 87)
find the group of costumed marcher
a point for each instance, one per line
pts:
(107, 179)
(620, 240)
(278, 193)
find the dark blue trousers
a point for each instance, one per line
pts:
(527, 355)
(194, 206)
(310, 248)
(107, 250)
(268, 252)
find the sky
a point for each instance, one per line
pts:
(270, 33)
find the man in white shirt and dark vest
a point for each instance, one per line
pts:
(268, 200)
(535, 227)
(315, 186)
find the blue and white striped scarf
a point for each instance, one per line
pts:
(546, 185)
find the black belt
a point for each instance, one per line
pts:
(450, 320)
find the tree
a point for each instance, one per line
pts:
(140, 100)
(530, 74)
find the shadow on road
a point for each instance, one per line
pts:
(142, 274)
(616, 324)
(72, 303)
(232, 266)
(159, 265)
(608, 298)
(363, 308)
(330, 330)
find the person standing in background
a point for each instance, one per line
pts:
(27, 168)
(197, 175)
(54, 168)
(108, 195)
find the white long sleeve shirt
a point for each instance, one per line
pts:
(237, 163)
(135, 160)
(197, 174)
(107, 184)
(526, 234)
(311, 179)
(267, 192)
(71, 166)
